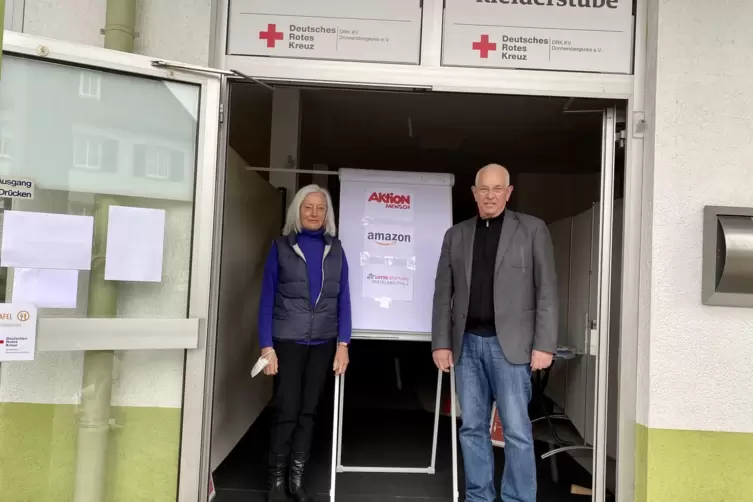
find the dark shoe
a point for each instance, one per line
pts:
(295, 482)
(277, 469)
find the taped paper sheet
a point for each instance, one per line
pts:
(135, 244)
(46, 240)
(46, 288)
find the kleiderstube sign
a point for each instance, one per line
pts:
(572, 35)
(387, 31)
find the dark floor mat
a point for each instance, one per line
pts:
(381, 438)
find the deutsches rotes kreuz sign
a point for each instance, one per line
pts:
(571, 35)
(387, 31)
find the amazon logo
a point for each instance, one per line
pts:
(387, 238)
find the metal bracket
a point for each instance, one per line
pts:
(639, 124)
(166, 65)
(252, 79)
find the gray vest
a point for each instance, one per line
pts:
(295, 319)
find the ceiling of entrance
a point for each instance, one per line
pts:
(425, 130)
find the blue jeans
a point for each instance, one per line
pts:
(484, 375)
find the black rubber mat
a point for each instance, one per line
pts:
(385, 425)
(376, 438)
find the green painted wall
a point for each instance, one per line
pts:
(693, 466)
(38, 449)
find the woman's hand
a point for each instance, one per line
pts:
(341, 360)
(271, 355)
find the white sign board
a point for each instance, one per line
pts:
(570, 35)
(16, 188)
(18, 332)
(388, 31)
(391, 225)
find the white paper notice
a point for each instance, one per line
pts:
(387, 284)
(135, 244)
(45, 240)
(45, 288)
(18, 331)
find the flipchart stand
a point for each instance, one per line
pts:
(337, 425)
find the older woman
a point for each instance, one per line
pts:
(304, 324)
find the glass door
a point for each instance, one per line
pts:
(114, 250)
(602, 305)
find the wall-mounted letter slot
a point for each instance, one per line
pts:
(728, 256)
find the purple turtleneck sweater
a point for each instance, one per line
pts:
(312, 245)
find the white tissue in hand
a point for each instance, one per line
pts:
(259, 366)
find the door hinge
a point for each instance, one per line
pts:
(222, 113)
(621, 138)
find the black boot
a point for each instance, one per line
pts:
(295, 482)
(277, 469)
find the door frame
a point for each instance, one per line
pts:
(605, 258)
(521, 82)
(66, 53)
(430, 75)
(626, 418)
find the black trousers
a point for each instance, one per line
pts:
(300, 380)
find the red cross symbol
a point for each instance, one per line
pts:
(271, 35)
(484, 46)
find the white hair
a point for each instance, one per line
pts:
(493, 166)
(293, 218)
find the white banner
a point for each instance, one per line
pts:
(18, 332)
(571, 35)
(388, 31)
(392, 224)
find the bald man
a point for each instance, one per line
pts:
(495, 320)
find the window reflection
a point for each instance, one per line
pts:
(90, 85)
(87, 153)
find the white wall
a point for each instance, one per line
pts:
(247, 234)
(167, 29)
(700, 149)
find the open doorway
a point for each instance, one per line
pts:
(553, 149)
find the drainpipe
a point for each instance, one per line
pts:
(120, 22)
(96, 386)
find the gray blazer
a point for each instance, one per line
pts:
(525, 288)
